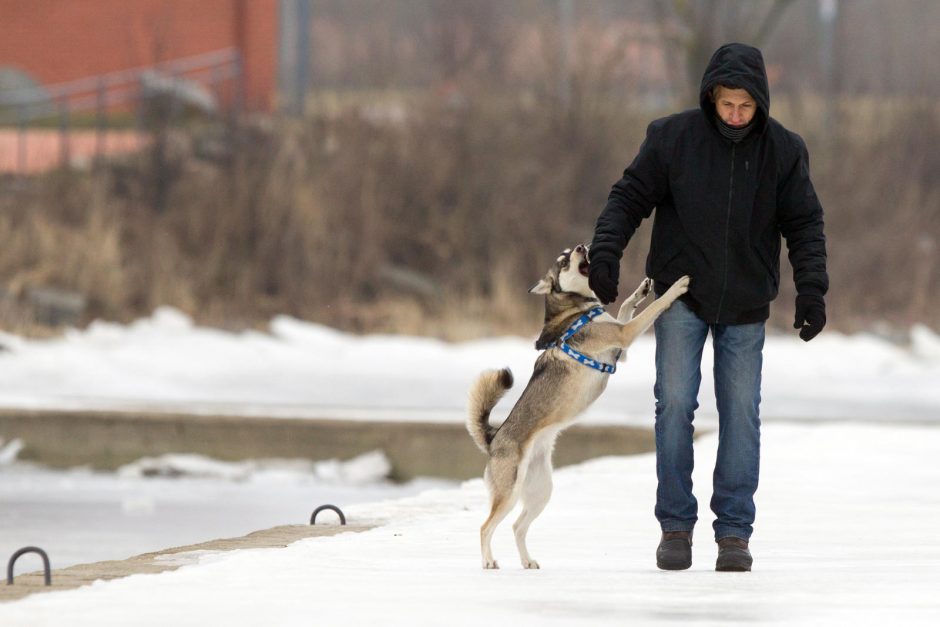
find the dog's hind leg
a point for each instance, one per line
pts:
(501, 477)
(535, 493)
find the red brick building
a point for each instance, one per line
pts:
(54, 41)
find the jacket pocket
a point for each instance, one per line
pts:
(772, 267)
(660, 262)
(666, 244)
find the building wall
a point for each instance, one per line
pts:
(60, 40)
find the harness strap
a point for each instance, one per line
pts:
(576, 326)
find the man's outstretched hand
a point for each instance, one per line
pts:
(603, 276)
(810, 316)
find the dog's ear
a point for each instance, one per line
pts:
(544, 286)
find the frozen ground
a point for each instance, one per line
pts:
(847, 534)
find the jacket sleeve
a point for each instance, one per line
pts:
(632, 198)
(801, 223)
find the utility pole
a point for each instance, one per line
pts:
(294, 55)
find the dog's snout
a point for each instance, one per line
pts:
(579, 248)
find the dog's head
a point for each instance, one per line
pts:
(566, 291)
(568, 275)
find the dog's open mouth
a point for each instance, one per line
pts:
(583, 268)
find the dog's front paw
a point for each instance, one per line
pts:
(530, 564)
(490, 565)
(629, 306)
(642, 291)
(680, 287)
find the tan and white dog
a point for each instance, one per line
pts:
(561, 387)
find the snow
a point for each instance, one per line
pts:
(299, 369)
(846, 532)
(370, 467)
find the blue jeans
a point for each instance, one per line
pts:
(680, 336)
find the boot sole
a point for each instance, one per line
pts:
(733, 566)
(673, 566)
(662, 566)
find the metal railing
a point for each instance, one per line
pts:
(212, 81)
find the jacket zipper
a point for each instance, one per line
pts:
(724, 283)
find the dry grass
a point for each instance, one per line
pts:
(436, 223)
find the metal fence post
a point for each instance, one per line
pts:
(239, 105)
(100, 118)
(21, 138)
(64, 130)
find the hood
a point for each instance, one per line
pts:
(741, 67)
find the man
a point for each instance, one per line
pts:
(727, 181)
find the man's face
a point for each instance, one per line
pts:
(735, 107)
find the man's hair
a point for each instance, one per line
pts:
(713, 92)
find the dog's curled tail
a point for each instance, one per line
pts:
(485, 393)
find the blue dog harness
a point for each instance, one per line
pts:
(562, 343)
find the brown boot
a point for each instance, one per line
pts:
(733, 555)
(675, 550)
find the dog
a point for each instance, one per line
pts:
(581, 344)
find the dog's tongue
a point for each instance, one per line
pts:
(583, 268)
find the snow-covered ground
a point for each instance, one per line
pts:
(302, 369)
(846, 534)
(847, 528)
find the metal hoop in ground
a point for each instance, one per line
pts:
(47, 570)
(313, 517)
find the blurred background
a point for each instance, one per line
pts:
(413, 166)
(221, 208)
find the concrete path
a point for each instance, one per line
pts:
(168, 559)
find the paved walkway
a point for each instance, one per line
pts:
(168, 559)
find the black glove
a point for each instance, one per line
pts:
(810, 316)
(603, 275)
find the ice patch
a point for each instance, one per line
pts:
(367, 468)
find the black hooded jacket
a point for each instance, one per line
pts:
(721, 206)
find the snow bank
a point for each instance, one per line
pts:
(299, 369)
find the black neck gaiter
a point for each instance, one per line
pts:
(732, 133)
